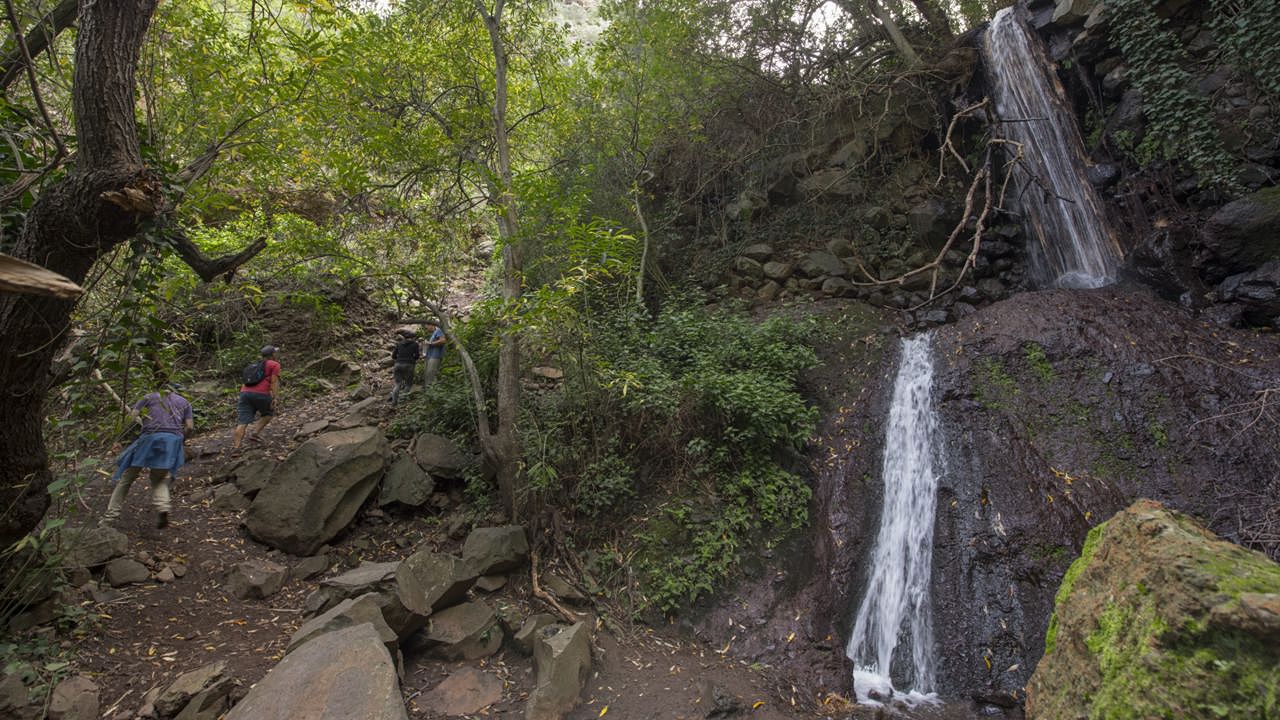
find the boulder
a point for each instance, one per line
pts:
(331, 365)
(427, 582)
(1160, 618)
(227, 498)
(75, 698)
(468, 631)
(491, 583)
(368, 577)
(562, 661)
(253, 475)
(1242, 235)
(562, 588)
(92, 546)
(778, 271)
(832, 184)
(491, 550)
(769, 291)
(311, 428)
(188, 685)
(358, 414)
(209, 705)
(837, 287)
(820, 263)
(748, 268)
(528, 632)
(440, 456)
(1258, 291)
(759, 252)
(928, 222)
(465, 692)
(126, 571)
(343, 674)
(316, 491)
(15, 698)
(256, 579)
(348, 613)
(309, 567)
(405, 483)
(1067, 12)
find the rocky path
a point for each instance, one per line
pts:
(182, 613)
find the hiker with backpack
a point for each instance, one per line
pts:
(166, 419)
(257, 397)
(405, 354)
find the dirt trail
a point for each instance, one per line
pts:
(152, 632)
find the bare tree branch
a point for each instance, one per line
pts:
(209, 269)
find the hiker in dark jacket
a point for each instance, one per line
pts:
(166, 419)
(405, 354)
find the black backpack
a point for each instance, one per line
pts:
(254, 372)
(407, 351)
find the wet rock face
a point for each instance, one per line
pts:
(1059, 409)
(1161, 619)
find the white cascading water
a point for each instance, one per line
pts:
(1071, 244)
(895, 612)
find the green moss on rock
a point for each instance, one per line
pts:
(1160, 619)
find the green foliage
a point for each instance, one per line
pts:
(713, 395)
(993, 385)
(1180, 120)
(1069, 582)
(1250, 34)
(1039, 362)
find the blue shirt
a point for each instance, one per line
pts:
(435, 351)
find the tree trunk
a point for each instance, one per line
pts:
(895, 34)
(502, 447)
(102, 202)
(934, 17)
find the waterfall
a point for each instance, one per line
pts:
(1070, 243)
(895, 610)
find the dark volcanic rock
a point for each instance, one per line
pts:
(1243, 234)
(318, 489)
(1060, 408)
(1258, 292)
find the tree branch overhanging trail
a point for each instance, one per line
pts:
(209, 269)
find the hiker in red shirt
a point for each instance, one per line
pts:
(257, 397)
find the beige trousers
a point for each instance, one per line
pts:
(159, 492)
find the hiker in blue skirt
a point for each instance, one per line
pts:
(166, 420)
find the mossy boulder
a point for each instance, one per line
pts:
(1158, 618)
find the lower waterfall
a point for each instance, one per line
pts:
(895, 612)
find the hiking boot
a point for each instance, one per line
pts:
(163, 521)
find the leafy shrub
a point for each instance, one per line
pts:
(697, 414)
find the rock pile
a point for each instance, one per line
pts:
(361, 618)
(764, 274)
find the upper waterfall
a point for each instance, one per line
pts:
(1071, 244)
(896, 607)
